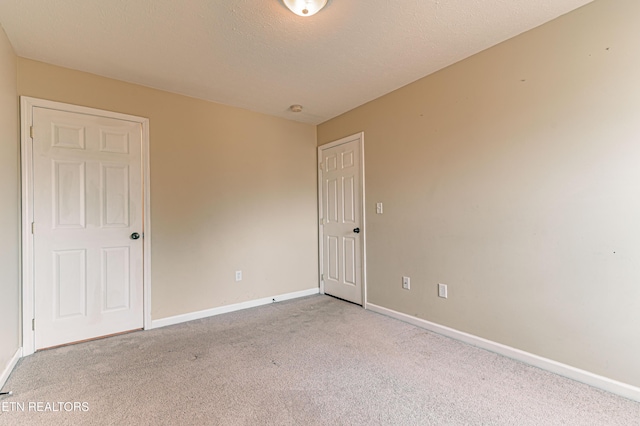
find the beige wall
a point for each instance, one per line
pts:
(230, 190)
(514, 177)
(10, 205)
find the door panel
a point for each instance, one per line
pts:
(349, 260)
(116, 281)
(333, 265)
(341, 205)
(348, 200)
(68, 194)
(69, 276)
(115, 195)
(87, 201)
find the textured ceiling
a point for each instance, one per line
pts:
(256, 54)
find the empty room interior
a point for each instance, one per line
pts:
(425, 200)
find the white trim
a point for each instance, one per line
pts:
(10, 366)
(320, 225)
(363, 214)
(146, 226)
(363, 249)
(28, 346)
(583, 376)
(26, 119)
(178, 319)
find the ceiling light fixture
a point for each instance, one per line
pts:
(305, 7)
(296, 108)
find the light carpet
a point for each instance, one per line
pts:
(310, 361)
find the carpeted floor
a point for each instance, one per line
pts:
(310, 361)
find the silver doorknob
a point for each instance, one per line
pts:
(135, 236)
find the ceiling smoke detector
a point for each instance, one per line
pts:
(296, 108)
(305, 7)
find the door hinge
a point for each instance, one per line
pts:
(31, 132)
(33, 324)
(321, 277)
(33, 227)
(321, 166)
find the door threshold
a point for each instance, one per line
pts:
(343, 300)
(89, 340)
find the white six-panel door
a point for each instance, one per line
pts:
(341, 205)
(87, 204)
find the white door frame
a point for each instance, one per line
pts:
(26, 152)
(363, 225)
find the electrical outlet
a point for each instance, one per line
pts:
(406, 283)
(442, 291)
(238, 275)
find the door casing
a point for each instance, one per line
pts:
(26, 152)
(363, 251)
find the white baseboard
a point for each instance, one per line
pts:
(583, 376)
(10, 366)
(163, 322)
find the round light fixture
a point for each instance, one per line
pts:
(296, 108)
(305, 7)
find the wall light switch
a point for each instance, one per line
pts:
(406, 283)
(378, 208)
(442, 291)
(238, 275)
